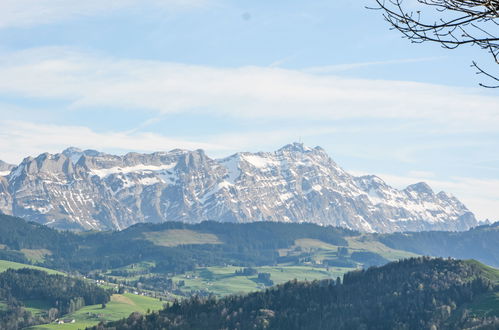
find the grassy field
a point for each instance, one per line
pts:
(308, 245)
(321, 250)
(223, 280)
(4, 265)
(366, 243)
(119, 307)
(487, 305)
(36, 306)
(133, 271)
(492, 274)
(37, 255)
(176, 237)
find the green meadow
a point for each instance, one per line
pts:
(120, 306)
(223, 281)
(4, 265)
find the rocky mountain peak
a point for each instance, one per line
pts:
(298, 148)
(446, 196)
(420, 188)
(369, 182)
(71, 150)
(75, 154)
(5, 168)
(90, 189)
(295, 147)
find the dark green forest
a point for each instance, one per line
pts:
(479, 243)
(411, 294)
(62, 294)
(244, 245)
(417, 293)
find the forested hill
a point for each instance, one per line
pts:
(172, 246)
(178, 247)
(417, 293)
(481, 243)
(58, 294)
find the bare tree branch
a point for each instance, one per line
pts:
(450, 23)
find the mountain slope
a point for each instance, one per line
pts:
(5, 168)
(87, 189)
(420, 293)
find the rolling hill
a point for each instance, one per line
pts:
(417, 293)
(160, 256)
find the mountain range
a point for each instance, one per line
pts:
(88, 189)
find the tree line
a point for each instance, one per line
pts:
(61, 294)
(418, 293)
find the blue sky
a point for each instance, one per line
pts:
(228, 76)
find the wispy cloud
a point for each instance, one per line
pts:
(85, 80)
(351, 66)
(22, 13)
(19, 138)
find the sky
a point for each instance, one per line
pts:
(228, 76)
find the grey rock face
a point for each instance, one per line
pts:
(93, 190)
(5, 198)
(4, 167)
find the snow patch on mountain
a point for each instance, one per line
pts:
(93, 190)
(138, 169)
(259, 161)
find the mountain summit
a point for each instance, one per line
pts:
(4, 167)
(91, 190)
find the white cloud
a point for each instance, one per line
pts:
(21, 139)
(350, 66)
(269, 139)
(86, 80)
(91, 80)
(421, 174)
(20, 13)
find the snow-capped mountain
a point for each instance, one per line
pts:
(93, 190)
(5, 168)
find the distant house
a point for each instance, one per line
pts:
(66, 321)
